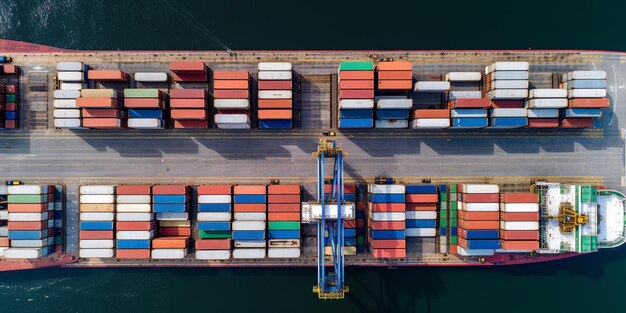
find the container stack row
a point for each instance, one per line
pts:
(9, 106)
(100, 108)
(387, 221)
(519, 222)
(231, 90)
(393, 105)
(467, 113)
(543, 107)
(145, 108)
(30, 221)
(479, 206)
(4, 217)
(349, 226)
(453, 221)
(421, 210)
(283, 228)
(189, 108)
(249, 225)
(275, 97)
(444, 232)
(171, 203)
(586, 93)
(214, 222)
(356, 95)
(189, 71)
(97, 216)
(135, 225)
(507, 81)
(71, 77)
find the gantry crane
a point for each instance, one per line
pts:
(568, 218)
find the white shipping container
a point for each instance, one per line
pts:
(66, 113)
(275, 94)
(28, 217)
(97, 199)
(70, 66)
(4, 230)
(249, 253)
(509, 84)
(510, 66)
(480, 207)
(96, 253)
(586, 75)
(145, 123)
(546, 103)
(72, 86)
(4, 189)
(213, 216)
(96, 244)
(4, 214)
(504, 94)
(421, 215)
(157, 77)
(314, 211)
(66, 94)
(249, 243)
(420, 232)
(509, 112)
(214, 199)
(39, 243)
(97, 216)
(356, 104)
(248, 225)
(133, 208)
(249, 216)
(237, 104)
(64, 104)
(479, 188)
(391, 124)
(134, 199)
(212, 254)
(394, 104)
(461, 94)
(586, 93)
(548, 93)
(97, 190)
(464, 76)
(281, 253)
(468, 112)
(474, 252)
(172, 216)
(27, 190)
(71, 76)
(24, 253)
(430, 123)
(134, 217)
(543, 113)
(232, 119)
(395, 188)
(519, 225)
(134, 234)
(168, 254)
(234, 126)
(431, 86)
(387, 216)
(515, 75)
(275, 75)
(519, 207)
(274, 66)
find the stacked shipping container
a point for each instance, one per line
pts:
(145, 108)
(356, 95)
(249, 225)
(232, 99)
(71, 77)
(421, 214)
(395, 80)
(478, 219)
(506, 80)
(189, 71)
(444, 214)
(4, 216)
(135, 222)
(9, 106)
(171, 206)
(586, 91)
(543, 107)
(188, 108)
(97, 209)
(469, 112)
(387, 215)
(101, 108)
(214, 222)
(519, 222)
(275, 95)
(283, 228)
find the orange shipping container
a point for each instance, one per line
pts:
(215, 190)
(96, 102)
(187, 66)
(519, 234)
(218, 75)
(478, 225)
(283, 207)
(589, 103)
(102, 123)
(170, 242)
(421, 206)
(387, 207)
(249, 190)
(189, 114)
(395, 84)
(511, 197)
(283, 216)
(231, 94)
(480, 197)
(345, 75)
(107, 75)
(283, 199)
(190, 93)
(387, 244)
(132, 253)
(421, 198)
(249, 207)
(479, 216)
(230, 84)
(275, 114)
(395, 66)
(395, 75)
(274, 104)
(135, 225)
(188, 103)
(275, 85)
(356, 84)
(283, 189)
(170, 189)
(356, 94)
(389, 253)
(519, 245)
(519, 216)
(143, 103)
(213, 244)
(133, 190)
(387, 225)
(27, 225)
(4, 241)
(97, 113)
(25, 207)
(431, 113)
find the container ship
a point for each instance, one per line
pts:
(208, 158)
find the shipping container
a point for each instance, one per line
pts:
(70, 66)
(586, 93)
(431, 86)
(589, 103)
(548, 93)
(156, 77)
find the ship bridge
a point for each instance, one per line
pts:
(611, 218)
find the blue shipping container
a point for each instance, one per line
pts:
(348, 241)
(95, 225)
(453, 231)
(214, 226)
(443, 188)
(356, 114)
(346, 197)
(27, 234)
(10, 115)
(169, 198)
(275, 124)
(356, 123)
(442, 231)
(482, 234)
(214, 207)
(392, 114)
(387, 198)
(483, 244)
(360, 214)
(469, 122)
(249, 199)
(170, 207)
(421, 223)
(387, 234)
(144, 113)
(347, 232)
(283, 234)
(421, 189)
(583, 112)
(248, 234)
(133, 244)
(509, 122)
(58, 215)
(586, 84)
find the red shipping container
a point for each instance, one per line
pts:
(187, 66)
(346, 188)
(102, 123)
(274, 114)
(11, 106)
(519, 234)
(231, 84)
(480, 197)
(421, 206)
(283, 199)
(12, 89)
(249, 190)
(213, 244)
(231, 94)
(215, 190)
(170, 190)
(283, 189)
(387, 225)
(471, 103)
(133, 190)
(387, 244)
(132, 253)
(188, 103)
(543, 123)
(96, 102)
(10, 124)
(4, 241)
(343, 75)
(170, 242)
(96, 234)
(507, 104)
(10, 69)
(387, 207)
(107, 75)
(431, 113)
(389, 253)
(421, 198)
(135, 225)
(584, 103)
(275, 103)
(231, 75)
(395, 84)
(187, 94)
(360, 223)
(356, 94)
(26, 208)
(283, 207)
(519, 245)
(101, 113)
(478, 225)
(250, 207)
(143, 103)
(515, 197)
(27, 225)
(174, 231)
(519, 216)
(190, 77)
(348, 224)
(395, 75)
(586, 122)
(479, 216)
(356, 84)
(189, 114)
(283, 216)
(395, 66)
(275, 85)
(191, 124)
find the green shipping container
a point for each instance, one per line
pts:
(453, 240)
(443, 214)
(141, 93)
(453, 222)
(453, 206)
(203, 234)
(283, 225)
(10, 97)
(27, 198)
(58, 240)
(453, 214)
(356, 66)
(443, 223)
(453, 188)
(359, 240)
(443, 197)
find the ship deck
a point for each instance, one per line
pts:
(39, 153)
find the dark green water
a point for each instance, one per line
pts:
(593, 283)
